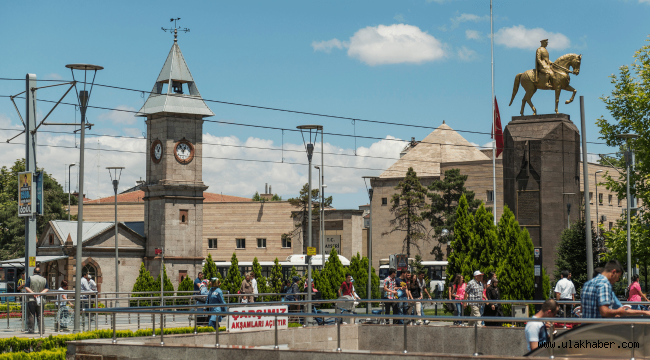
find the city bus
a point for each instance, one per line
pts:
(293, 261)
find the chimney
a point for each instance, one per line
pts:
(266, 188)
(270, 191)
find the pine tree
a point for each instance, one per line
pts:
(459, 259)
(168, 286)
(233, 279)
(261, 280)
(142, 283)
(516, 263)
(275, 280)
(185, 288)
(210, 269)
(484, 245)
(359, 274)
(407, 207)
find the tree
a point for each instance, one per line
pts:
(142, 283)
(628, 104)
(407, 206)
(185, 288)
(12, 236)
(331, 277)
(359, 271)
(257, 197)
(616, 242)
(261, 280)
(484, 244)
(445, 195)
(301, 217)
(275, 280)
(233, 279)
(459, 261)
(210, 269)
(167, 285)
(516, 263)
(571, 253)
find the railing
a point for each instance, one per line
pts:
(189, 310)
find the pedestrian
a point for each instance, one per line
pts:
(293, 289)
(536, 331)
(215, 297)
(490, 276)
(390, 288)
(414, 294)
(345, 293)
(197, 283)
(254, 284)
(493, 309)
(36, 284)
(458, 292)
(62, 303)
(474, 291)
(246, 288)
(21, 283)
(597, 295)
(85, 287)
(484, 281)
(422, 285)
(286, 286)
(402, 294)
(635, 293)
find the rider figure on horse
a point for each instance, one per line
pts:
(544, 66)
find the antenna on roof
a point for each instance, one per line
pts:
(176, 29)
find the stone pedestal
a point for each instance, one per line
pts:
(541, 163)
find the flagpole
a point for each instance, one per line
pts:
(494, 137)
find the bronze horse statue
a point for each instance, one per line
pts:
(560, 81)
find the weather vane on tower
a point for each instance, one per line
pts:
(176, 29)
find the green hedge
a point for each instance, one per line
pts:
(23, 345)
(58, 354)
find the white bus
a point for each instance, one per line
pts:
(297, 261)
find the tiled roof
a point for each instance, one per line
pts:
(138, 196)
(441, 145)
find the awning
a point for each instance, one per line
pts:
(20, 262)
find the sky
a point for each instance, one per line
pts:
(415, 62)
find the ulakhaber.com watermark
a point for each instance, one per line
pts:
(590, 344)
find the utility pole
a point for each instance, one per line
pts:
(30, 165)
(585, 172)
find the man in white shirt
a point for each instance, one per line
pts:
(536, 333)
(91, 283)
(254, 284)
(564, 289)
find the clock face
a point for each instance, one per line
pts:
(156, 151)
(184, 151)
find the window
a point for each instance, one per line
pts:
(286, 242)
(611, 225)
(609, 199)
(241, 243)
(261, 243)
(212, 243)
(490, 196)
(51, 239)
(384, 201)
(90, 270)
(600, 198)
(591, 197)
(182, 274)
(184, 218)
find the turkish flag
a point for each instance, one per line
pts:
(497, 132)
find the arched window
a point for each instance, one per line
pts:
(90, 270)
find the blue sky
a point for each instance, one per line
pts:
(331, 57)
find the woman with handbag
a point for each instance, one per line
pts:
(492, 309)
(457, 290)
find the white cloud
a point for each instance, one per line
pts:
(466, 54)
(126, 117)
(53, 76)
(455, 21)
(394, 44)
(521, 38)
(644, 1)
(473, 34)
(400, 18)
(327, 45)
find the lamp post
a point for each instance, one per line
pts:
(369, 287)
(83, 96)
(597, 205)
(69, 167)
(628, 163)
(115, 179)
(321, 220)
(309, 146)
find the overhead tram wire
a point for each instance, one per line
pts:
(314, 114)
(262, 161)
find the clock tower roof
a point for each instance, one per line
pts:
(175, 90)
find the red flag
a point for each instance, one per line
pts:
(498, 134)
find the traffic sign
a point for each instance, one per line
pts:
(311, 251)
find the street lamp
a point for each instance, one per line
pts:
(321, 221)
(568, 210)
(309, 146)
(83, 97)
(628, 163)
(69, 167)
(369, 287)
(115, 179)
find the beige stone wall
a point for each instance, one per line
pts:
(106, 212)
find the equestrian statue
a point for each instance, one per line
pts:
(547, 75)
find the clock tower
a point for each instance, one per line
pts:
(174, 185)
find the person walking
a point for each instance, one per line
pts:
(564, 289)
(254, 284)
(635, 293)
(390, 288)
(246, 288)
(36, 284)
(402, 294)
(597, 295)
(286, 286)
(475, 292)
(62, 303)
(458, 293)
(536, 331)
(197, 283)
(215, 297)
(293, 289)
(493, 309)
(422, 285)
(345, 293)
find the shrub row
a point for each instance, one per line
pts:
(57, 354)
